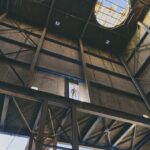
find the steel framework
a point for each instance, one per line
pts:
(69, 121)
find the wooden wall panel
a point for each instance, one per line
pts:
(8, 48)
(62, 50)
(8, 75)
(59, 65)
(64, 40)
(65, 67)
(49, 83)
(99, 52)
(125, 85)
(105, 64)
(111, 81)
(118, 101)
(19, 35)
(101, 77)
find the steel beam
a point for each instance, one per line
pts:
(93, 83)
(139, 43)
(75, 135)
(21, 114)
(144, 26)
(49, 71)
(142, 142)
(38, 36)
(13, 69)
(104, 131)
(30, 144)
(137, 47)
(64, 119)
(84, 65)
(138, 135)
(40, 44)
(59, 42)
(143, 67)
(17, 43)
(35, 58)
(53, 129)
(92, 126)
(79, 123)
(39, 139)
(88, 20)
(126, 132)
(39, 96)
(89, 122)
(39, 68)
(76, 61)
(137, 86)
(133, 138)
(83, 20)
(37, 119)
(107, 134)
(4, 111)
(64, 131)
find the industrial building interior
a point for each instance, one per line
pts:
(75, 74)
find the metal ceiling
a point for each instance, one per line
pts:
(76, 20)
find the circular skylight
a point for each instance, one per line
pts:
(111, 13)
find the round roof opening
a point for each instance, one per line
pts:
(111, 13)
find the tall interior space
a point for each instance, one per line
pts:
(75, 74)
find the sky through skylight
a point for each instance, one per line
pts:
(111, 13)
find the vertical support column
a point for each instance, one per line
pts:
(75, 137)
(53, 129)
(87, 86)
(31, 143)
(42, 121)
(88, 19)
(35, 58)
(40, 44)
(136, 84)
(4, 111)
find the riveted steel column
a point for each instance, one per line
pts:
(75, 138)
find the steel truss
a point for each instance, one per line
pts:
(138, 71)
(48, 101)
(73, 108)
(72, 133)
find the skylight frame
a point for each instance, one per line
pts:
(114, 17)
